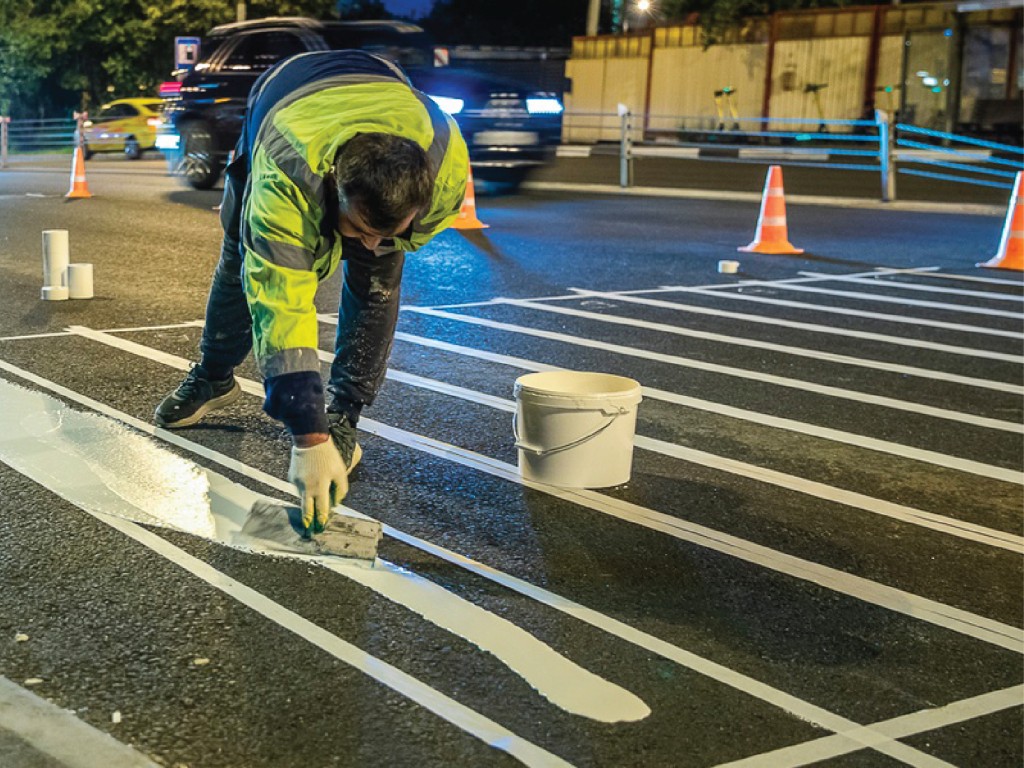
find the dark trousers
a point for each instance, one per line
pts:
(367, 314)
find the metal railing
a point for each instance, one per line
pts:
(28, 136)
(877, 146)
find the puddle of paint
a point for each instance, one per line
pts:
(105, 468)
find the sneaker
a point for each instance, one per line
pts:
(194, 398)
(344, 436)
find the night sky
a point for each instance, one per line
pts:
(414, 8)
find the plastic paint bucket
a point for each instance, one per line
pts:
(575, 429)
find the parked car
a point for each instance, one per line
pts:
(125, 125)
(509, 128)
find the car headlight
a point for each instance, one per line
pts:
(449, 105)
(544, 106)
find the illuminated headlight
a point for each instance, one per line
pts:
(167, 141)
(543, 106)
(451, 106)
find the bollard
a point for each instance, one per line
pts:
(886, 155)
(625, 147)
(4, 136)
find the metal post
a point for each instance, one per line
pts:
(4, 123)
(886, 155)
(625, 147)
(80, 118)
(593, 15)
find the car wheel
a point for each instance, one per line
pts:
(132, 150)
(199, 163)
(86, 152)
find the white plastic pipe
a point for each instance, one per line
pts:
(55, 257)
(80, 281)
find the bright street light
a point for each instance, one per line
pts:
(643, 5)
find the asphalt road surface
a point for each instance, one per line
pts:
(817, 559)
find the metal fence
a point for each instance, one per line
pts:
(27, 136)
(875, 146)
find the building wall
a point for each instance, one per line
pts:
(838, 63)
(598, 87)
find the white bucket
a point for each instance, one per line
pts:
(575, 429)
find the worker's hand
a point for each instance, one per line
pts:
(321, 478)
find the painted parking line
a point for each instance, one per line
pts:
(762, 320)
(897, 600)
(959, 528)
(874, 281)
(847, 311)
(973, 279)
(985, 470)
(884, 299)
(849, 498)
(744, 684)
(896, 728)
(741, 341)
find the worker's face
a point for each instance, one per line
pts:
(354, 225)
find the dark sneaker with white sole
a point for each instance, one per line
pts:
(195, 397)
(343, 433)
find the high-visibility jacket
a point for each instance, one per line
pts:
(299, 115)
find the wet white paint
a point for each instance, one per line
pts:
(107, 469)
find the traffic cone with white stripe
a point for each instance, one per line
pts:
(772, 236)
(467, 214)
(1010, 254)
(78, 186)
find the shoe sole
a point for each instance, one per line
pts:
(210, 405)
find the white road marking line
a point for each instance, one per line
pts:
(709, 286)
(909, 604)
(883, 299)
(583, 293)
(973, 279)
(959, 528)
(914, 287)
(57, 334)
(742, 373)
(736, 680)
(898, 319)
(754, 417)
(896, 728)
(814, 354)
(39, 433)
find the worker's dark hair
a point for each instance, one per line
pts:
(385, 177)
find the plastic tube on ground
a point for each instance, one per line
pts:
(55, 257)
(80, 281)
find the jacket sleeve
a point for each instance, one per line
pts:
(279, 236)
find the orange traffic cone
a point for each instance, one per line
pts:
(772, 235)
(467, 215)
(1011, 245)
(78, 186)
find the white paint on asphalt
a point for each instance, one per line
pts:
(814, 354)
(897, 600)
(861, 313)
(829, 330)
(884, 299)
(875, 281)
(969, 278)
(901, 727)
(997, 473)
(60, 735)
(82, 458)
(740, 682)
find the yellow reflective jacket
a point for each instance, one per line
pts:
(287, 251)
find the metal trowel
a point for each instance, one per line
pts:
(277, 527)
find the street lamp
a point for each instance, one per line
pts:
(643, 6)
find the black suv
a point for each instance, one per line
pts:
(509, 129)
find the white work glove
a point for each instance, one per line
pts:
(321, 478)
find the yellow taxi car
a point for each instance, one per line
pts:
(124, 125)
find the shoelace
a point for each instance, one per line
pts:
(344, 436)
(187, 388)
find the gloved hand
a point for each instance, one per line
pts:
(321, 478)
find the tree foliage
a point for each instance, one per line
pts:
(716, 16)
(61, 55)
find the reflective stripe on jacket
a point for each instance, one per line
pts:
(300, 114)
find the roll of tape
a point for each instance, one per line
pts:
(80, 281)
(54, 293)
(728, 267)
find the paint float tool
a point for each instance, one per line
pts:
(277, 527)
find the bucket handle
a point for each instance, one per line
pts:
(619, 411)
